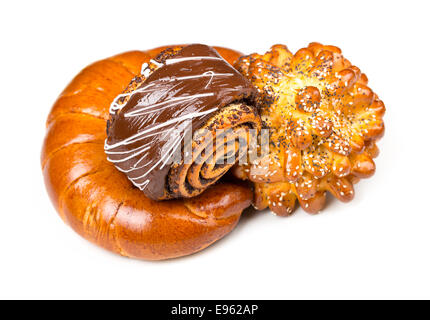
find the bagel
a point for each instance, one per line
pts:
(99, 202)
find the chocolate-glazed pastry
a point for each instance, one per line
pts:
(183, 91)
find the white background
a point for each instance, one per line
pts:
(377, 246)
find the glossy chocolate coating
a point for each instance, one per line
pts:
(182, 93)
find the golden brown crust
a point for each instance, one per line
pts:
(324, 121)
(229, 55)
(98, 201)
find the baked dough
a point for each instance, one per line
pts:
(98, 201)
(323, 120)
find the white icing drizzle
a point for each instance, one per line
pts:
(158, 64)
(135, 153)
(176, 100)
(143, 68)
(141, 151)
(205, 74)
(141, 135)
(142, 185)
(172, 149)
(176, 60)
(212, 75)
(115, 105)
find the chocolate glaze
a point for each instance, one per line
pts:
(142, 134)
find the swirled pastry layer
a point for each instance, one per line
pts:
(181, 91)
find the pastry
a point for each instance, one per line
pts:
(103, 204)
(138, 145)
(149, 119)
(323, 122)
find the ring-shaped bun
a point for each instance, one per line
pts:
(98, 201)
